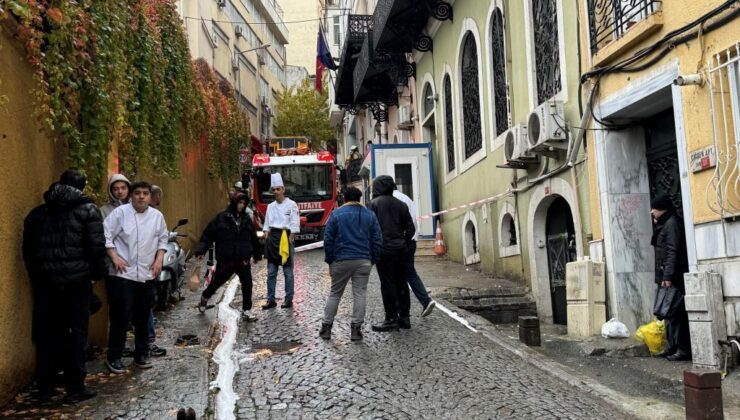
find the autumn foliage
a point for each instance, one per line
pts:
(120, 72)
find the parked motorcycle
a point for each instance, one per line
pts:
(172, 277)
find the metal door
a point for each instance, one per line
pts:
(662, 158)
(561, 249)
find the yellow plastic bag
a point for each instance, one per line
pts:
(194, 280)
(653, 335)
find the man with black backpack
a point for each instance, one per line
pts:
(64, 251)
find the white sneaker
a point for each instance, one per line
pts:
(428, 309)
(248, 316)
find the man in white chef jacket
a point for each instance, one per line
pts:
(282, 222)
(136, 240)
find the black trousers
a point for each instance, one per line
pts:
(61, 318)
(128, 300)
(392, 270)
(224, 271)
(677, 331)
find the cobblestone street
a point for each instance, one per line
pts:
(438, 369)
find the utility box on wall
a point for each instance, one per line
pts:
(586, 295)
(706, 317)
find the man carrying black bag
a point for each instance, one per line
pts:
(671, 262)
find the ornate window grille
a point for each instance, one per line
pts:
(609, 19)
(449, 135)
(428, 100)
(498, 64)
(546, 49)
(471, 97)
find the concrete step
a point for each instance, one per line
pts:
(499, 305)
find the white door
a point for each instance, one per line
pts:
(405, 171)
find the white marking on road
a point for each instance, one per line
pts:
(225, 357)
(454, 315)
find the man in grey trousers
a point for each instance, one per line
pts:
(361, 241)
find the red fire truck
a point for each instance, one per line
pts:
(310, 180)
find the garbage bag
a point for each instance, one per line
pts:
(667, 301)
(614, 329)
(653, 335)
(194, 280)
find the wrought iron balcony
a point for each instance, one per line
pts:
(609, 20)
(399, 23)
(357, 30)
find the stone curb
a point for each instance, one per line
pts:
(615, 399)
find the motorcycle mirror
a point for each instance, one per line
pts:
(182, 222)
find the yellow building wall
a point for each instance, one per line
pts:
(697, 116)
(29, 163)
(301, 50)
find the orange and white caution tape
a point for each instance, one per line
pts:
(466, 206)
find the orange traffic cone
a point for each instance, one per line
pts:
(439, 242)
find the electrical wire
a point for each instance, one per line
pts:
(283, 22)
(623, 66)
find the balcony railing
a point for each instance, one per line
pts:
(609, 20)
(275, 14)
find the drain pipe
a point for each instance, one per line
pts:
(571, 164)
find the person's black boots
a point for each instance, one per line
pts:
(387, 325)
(325, 331)
(404, 322)
(269, 305)
(355, 332)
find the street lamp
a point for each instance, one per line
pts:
(261, 47)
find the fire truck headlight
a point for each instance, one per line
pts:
(260, 234)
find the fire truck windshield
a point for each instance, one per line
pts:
(302, 182)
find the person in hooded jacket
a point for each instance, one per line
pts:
(398, 232)
(119, 190)
(64, 251)
(234, 234)
(671, 263)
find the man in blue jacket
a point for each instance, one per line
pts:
(352, 243)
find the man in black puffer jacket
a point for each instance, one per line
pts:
(64, 251)
(398, 232)
(236, 242)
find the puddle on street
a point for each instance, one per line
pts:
(274, 348)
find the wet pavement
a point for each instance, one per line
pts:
(438, 369)
(176, 380)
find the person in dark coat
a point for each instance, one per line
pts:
(233, 232)
(671, 262)
(64, 251)
(398, 232)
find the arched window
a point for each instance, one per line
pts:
(471, 97)
(428, 100)
(498, 67)
(546, 48)
(508, 231)
(449, 135)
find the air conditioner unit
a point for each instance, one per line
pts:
(239, 31)
(404, 114)
(235, 63)
(515, 145)
(546, 127)
(221, 3)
